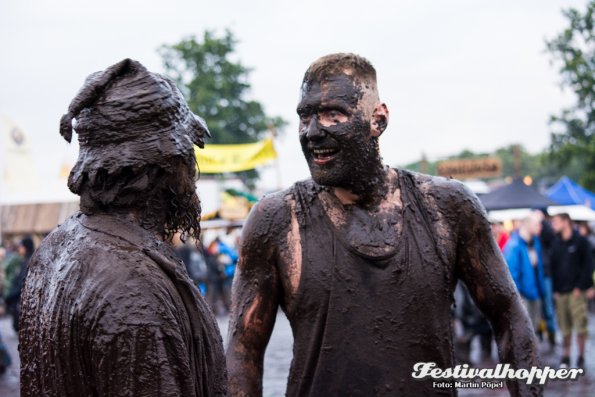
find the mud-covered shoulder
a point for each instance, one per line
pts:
(457, 204)
(62, 236)
(454, 211)
(267, 225)
(94, 271)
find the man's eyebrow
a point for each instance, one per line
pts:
(304, 108)
(335, 104)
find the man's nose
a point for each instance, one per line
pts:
(314, 131)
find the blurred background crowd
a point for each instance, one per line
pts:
(552, 263)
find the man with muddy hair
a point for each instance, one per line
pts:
(108, 309)
(363, 259)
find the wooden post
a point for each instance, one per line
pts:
(516, 152)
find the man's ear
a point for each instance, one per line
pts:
(379, 120)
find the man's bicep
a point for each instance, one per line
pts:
(256, 287)
(255, 298)
(480, 263)
(488, 279)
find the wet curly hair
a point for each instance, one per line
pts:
(164, 199)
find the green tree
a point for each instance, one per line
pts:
(573, 135)
(216, 88)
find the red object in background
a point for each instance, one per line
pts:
(213, 248)
(502, 240)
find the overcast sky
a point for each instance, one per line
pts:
(455, 74)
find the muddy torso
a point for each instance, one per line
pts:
(366, 299)
(108, 310)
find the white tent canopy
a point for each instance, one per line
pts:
(576, 213)
(21, 181)
(477, 186)
(508, 215)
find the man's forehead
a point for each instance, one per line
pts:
(332, 82)
(338, 87)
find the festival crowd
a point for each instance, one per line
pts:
(551, 260)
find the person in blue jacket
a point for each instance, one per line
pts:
(523, 256)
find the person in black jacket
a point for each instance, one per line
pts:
(571, 270)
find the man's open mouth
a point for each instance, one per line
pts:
(323, 156)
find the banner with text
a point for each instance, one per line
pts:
(215, 159)
(486, 167)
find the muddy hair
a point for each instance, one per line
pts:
(164, 199)
(333, 64)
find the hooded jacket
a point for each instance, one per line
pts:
(530, 283)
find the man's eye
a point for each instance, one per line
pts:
(332, 116)
(305, 117)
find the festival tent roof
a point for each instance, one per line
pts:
(567, 192)
(515, 195)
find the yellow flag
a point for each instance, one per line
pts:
(214, 159)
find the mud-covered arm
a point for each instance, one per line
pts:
(255, 296)
(481, 266)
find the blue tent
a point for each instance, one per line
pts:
(567, 192)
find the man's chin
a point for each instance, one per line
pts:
(326, 177)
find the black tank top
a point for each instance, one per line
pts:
(361, 322)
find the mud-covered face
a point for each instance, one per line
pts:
(335, 132)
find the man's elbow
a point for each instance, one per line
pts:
(242, 355)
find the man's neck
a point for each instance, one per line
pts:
(131, 217)
(345, 196)
(371, 195)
